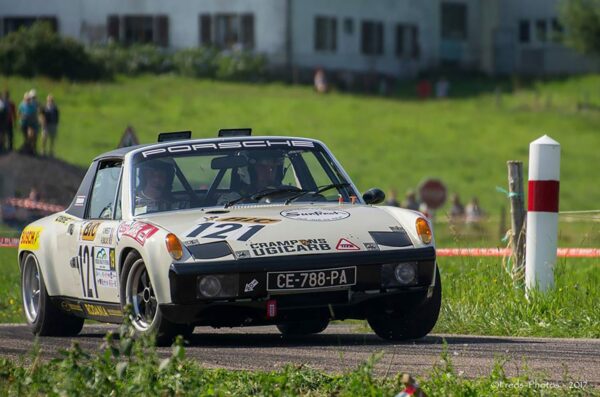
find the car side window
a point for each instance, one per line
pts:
(104, 190)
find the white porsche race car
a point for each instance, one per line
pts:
(231, 231)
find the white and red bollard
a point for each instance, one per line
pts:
(542, 213)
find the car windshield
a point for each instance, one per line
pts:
(225, 174)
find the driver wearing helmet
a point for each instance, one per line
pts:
(153, 192)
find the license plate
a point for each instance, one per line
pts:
(311, 279)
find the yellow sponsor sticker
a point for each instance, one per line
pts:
(248, 219)
(95, 310)
(30, 238)
(88, 233)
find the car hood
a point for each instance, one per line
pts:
(269, 230)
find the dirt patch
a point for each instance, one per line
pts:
(55, 180)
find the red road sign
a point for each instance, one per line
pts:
(433, 193)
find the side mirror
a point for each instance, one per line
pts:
(374, 196)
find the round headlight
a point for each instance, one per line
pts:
(209, 286)
(405, 273)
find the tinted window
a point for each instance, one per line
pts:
(104, 191)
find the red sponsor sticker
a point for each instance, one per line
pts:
(346, 245)
(140, 232)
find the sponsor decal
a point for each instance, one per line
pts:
(89, 230)
(107, 279)
(123, 227)
(70, 307)
(290, 246)
(346, 245)
(262, 143)
(106, 237)
(30, 238)
(317, 215)
(242, 254)
(242, 219)
(371, 247)
(63, 219)
(95, 310)
(189, 243)
(104, 258)
(250, 286)
(79, 201)
(140, 232)
(224, 231)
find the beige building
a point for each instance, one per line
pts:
(396, 38)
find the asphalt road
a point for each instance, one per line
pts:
(343, 347)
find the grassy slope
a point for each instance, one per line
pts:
(381, 142)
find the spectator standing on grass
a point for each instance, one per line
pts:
(392, 199)
(410, 201)
(424, 88)
(50, 125)
(9, 120)
(457, 210)
(26, 115)
(442, 88)
(473, 211)
(320, 81)
(4, 108)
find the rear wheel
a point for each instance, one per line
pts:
(303, 327)
(42, 315)
(411, 324)
(146, 317)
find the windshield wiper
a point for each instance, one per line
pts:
(319, 190)
(256, 196)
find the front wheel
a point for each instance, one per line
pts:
(137, 292)
(44, 318)
(413, 323)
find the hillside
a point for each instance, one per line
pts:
(384, 142)
(55, 180)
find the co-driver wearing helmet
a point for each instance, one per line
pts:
(264, 171)
(153, 192)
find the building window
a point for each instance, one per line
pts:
(139, 29)
(524, 32)
(227, 31)
(407, 41)
(325, 34)
(372, 38)
(349, 26)
(541, 34)
(454, 21)
(205, 29)
(12, 24)
(558, 31)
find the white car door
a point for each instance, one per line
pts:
(94, 265)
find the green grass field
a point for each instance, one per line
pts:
(384, 142)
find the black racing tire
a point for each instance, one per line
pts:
(146, 317)
(412, 324)
(298, 328)
(43, 316)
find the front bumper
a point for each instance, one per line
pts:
(249, 307)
